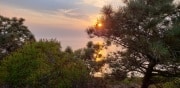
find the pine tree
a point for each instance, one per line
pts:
(150, 32)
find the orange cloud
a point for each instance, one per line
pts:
(101, 3)
(52, 19)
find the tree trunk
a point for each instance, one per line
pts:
(148, 75)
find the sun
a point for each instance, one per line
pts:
(99, 25)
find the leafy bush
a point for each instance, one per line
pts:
(42, 64)
(162, 82)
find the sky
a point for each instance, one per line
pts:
(64, 20)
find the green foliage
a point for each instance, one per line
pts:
(162, 82)
(42, 64)
(69, 50)
(91, 52)
(129, 81)
(90, 55)
(149, 31)
(173, 84)
(13, 34)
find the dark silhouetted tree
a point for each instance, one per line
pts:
(13, 34)
(69, 50)
(90, 54)
(149, 30)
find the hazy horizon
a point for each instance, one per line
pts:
(64, 20)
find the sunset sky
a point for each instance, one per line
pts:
(64, 20)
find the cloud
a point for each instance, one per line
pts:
(72, 13)
(101, 3)
(63, 18)
(68, 8)
(69, 30)
(41, 5)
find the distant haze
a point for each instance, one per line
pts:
(64, 20)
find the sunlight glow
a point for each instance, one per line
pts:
(103, 53)
(99, 25)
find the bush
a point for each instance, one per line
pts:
(162, 82)
(42, 64)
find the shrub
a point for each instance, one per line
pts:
(42, 64)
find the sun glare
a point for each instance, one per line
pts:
(103, 53)
(99, 24)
